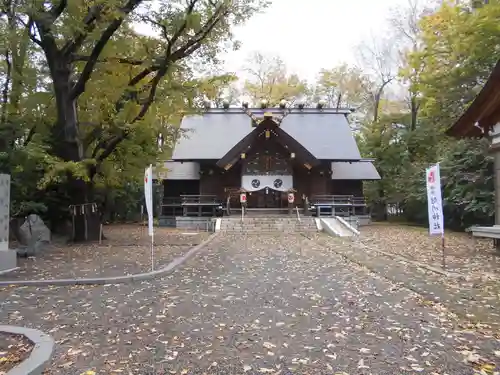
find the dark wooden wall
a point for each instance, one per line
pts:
(315, 182)
(346, 187)
(176, 188)
(215, 183)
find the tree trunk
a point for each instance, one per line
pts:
(67, 145)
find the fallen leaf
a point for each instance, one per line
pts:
(268, 345)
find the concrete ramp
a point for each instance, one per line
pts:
(337, 227)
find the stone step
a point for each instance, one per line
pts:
(270, 231)
(255, 225)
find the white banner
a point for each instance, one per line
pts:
(259, 182)
(434, 201)
(148, 195)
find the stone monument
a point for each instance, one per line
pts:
(8, 261)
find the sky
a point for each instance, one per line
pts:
(311, 34)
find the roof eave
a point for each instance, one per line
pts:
(483, 112)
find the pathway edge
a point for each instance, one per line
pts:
(115, 279)
(40, 355)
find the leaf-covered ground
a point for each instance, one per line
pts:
(13, 350)
(476, 299)
(474, 258)
(126, 250)
(252, 305)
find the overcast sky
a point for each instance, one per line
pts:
(312, 34)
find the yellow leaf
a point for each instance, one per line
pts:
(88, 372)
(488, 368)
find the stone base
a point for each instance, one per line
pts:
(186, 222)
(8, 260)
(488, 232)
(364, 220)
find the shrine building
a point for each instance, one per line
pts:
(270, 155)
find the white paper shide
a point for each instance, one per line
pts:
(434, 200)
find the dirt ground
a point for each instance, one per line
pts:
(474, 258)
(126, 250)
(13, 350)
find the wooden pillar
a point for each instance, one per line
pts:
(496, 157)
(495, 149)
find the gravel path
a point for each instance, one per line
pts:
(251, 305)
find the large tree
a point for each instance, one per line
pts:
(458, 48)
(81, 43)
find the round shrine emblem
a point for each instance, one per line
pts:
(278, 183)
(255, 183)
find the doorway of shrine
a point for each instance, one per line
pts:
(267, 198)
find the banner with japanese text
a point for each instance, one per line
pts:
(434, 200)
(148, 195)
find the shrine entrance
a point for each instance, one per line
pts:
(267, 198)
(268, 157)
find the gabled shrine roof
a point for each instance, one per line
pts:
(325, 133)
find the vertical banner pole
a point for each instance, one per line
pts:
(152, 252)
(443, 261)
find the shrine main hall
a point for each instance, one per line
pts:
(268, 154)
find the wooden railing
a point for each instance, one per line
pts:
(191, 205)
(337, 205)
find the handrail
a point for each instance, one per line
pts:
(298, 215)
(228, 205)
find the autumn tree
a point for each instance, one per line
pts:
(454, 58)
(345, 86)
(85, 96)
(268, 79)
(443, 63)
(378, 59)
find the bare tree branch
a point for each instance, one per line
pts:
(89, 23)
(57, 10)
(79, 87)
(192, 45)
(120, 60)
(30, 26)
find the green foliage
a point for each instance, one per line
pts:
(269, 80)
(142, 85)
(456, 57)
(103, 130)
(443, 71)
(344, 86)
